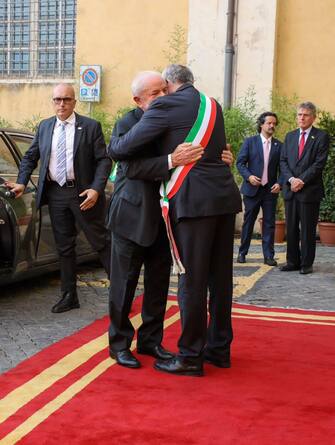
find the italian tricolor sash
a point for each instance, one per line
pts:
(200, 133)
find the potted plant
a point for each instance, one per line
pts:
(327, 206)
(280, 220)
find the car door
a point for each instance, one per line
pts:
(46, 245)
(18, 217)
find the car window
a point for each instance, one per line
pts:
(23, 143)
(7, 162)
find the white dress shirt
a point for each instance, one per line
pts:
(306, 133)
(264, 140)
(69, 131)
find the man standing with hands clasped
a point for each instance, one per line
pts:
(303, 159)
(73, 174)
(258, 163)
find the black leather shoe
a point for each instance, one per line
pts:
(305, 270)
(270, 262)
(156, 351)
(241, 259)
(178, 366)
(289, 268)
(68, 301)
(220, 363)
(125, 358)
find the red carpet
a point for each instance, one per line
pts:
(280, 389)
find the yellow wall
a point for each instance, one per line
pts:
(305, 46)
(123, 36)
(126, 37)
(22, 101)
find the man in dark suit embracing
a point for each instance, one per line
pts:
(74, 168)
(139, 235)
(303, 158)
(202, 212)
(258, 163)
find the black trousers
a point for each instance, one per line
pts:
(65, 213)
(301, 222)
(206, 249)
(126, 262)
(267, 201)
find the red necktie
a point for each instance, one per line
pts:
(301, 144)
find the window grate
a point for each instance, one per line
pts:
(37, 38)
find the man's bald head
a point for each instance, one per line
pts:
(64, 100)
(146, 86)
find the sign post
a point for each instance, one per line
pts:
(90, 84)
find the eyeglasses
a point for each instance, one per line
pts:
(59, 100)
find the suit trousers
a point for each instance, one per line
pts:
(206, 248)
(267, 201)
(65, 213)
(301, 222)
(126, 262)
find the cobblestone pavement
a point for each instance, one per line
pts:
(27, 325)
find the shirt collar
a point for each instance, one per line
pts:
(70, 120)
(306, 131)
(264, 139)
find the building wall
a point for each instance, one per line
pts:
(305, 47)
(124, 37)
(132, 36)
(254, 47)
(207, 37)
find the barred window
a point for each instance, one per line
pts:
(37, 38)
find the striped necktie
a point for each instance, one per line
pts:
(61, 156)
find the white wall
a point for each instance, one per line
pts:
(255, 24)
(207, 37)
(255, 49)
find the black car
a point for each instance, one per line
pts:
(27, 244)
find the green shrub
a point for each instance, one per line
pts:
(240, 122)
(108, 120)
(286, 109)
(30, 124)
(327, 206)
(4, 123)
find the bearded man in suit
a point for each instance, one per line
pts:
(202, 213)
(258, 163)
(303, 158)
(74, 169)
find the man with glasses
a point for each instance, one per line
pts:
(73, 174)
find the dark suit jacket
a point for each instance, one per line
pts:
(90, 161)
(209, 188)
(308, 168)
(134, 211)
(250, 161)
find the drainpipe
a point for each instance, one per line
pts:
(229, 55)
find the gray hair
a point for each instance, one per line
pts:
(178, 74)
(139, 84)
(308, 106)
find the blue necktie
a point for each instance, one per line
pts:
(61, 156)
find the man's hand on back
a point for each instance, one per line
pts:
(186, 153)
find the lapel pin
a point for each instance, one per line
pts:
(80, 128)
(313, 137)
